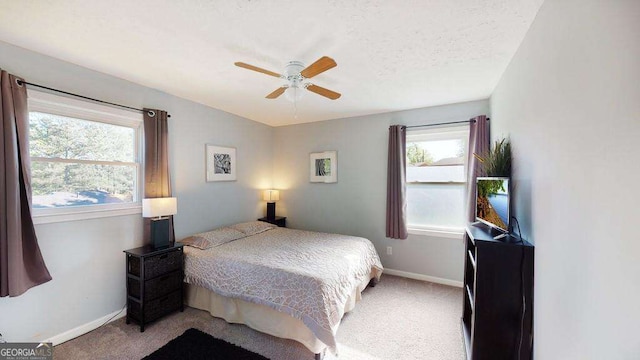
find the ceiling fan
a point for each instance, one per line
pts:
(295, 74)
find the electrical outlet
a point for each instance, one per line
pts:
(389, 250)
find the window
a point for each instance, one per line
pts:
(84, 159)
(436, 180)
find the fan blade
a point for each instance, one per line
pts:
(324, 92)
(321, 65)
(255, 68)
(277, 92)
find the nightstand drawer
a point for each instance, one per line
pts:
(156, 308)
(163, 285)
(157, 287)
(156, 265)
(162, 264)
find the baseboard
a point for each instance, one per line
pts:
(88, 327)
(422, 277)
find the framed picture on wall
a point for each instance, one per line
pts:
(221, 163)
(323, 167)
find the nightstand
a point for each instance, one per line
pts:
(281, 221)
(154, 282)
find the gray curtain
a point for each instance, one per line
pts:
(21, 264)
(479, 140)
(157, 182)
(396, 186)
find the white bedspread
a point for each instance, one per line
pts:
(308, 275)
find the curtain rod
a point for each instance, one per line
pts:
(21, 82)
(444, 123)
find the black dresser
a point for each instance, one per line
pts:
(497, 318)
(154, 283)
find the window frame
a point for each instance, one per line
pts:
(435, 134)
(48, 103)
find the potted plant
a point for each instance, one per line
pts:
(497, 162)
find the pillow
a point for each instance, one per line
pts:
(213, 238)
(253, 227)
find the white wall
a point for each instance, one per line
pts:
(85, 257)
(570, 101)
(356, 204)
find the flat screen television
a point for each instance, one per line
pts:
(492, 202)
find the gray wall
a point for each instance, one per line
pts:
(85, 257)
(356, 204)
(570, 102)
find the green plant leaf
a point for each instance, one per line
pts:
(497, 162)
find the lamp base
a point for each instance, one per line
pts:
(160, 233)
(271, 210)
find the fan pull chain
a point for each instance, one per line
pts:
(295, 108)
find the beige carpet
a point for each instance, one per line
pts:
(398, 319)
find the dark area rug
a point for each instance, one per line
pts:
(194, 344)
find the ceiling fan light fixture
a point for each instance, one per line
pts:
(294, 92)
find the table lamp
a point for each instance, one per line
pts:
(159, 209)
(271, 196)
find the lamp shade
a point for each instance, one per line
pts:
(271, 195)
(156, 207)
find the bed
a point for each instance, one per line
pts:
(288, 283)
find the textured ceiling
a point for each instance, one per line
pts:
(391, 55)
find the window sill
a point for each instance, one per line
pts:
(439, 232)
(47, 216)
